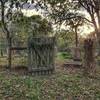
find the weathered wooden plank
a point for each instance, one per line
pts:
(18, 48)
(43, 48)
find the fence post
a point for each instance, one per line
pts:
(9, 53)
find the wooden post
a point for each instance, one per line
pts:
(9, 53)
(76, 54)
(89, 60)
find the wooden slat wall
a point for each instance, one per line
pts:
(41, 55)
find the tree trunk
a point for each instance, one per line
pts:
(89, 58)
(97, 31)
(6, 31)
(77, 53)
(76, 37)
(98, 40)
(99, 47)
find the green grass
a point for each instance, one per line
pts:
(64, 86)
(18, 60)
(64, 55)
(21, 60)
(59, 86)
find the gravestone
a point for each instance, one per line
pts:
(76, 53)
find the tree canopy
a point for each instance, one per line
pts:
(93, 9)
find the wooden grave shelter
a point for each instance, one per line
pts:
(41, 54)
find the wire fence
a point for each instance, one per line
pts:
(19, 57)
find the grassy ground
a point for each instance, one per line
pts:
(63, 55)
(64, 84)
(16, 60)
(59, 86)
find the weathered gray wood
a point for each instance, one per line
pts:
(72, 63)
(41, 54)
(18, 48)
(76, 53)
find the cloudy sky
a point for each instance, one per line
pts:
(32, 9)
